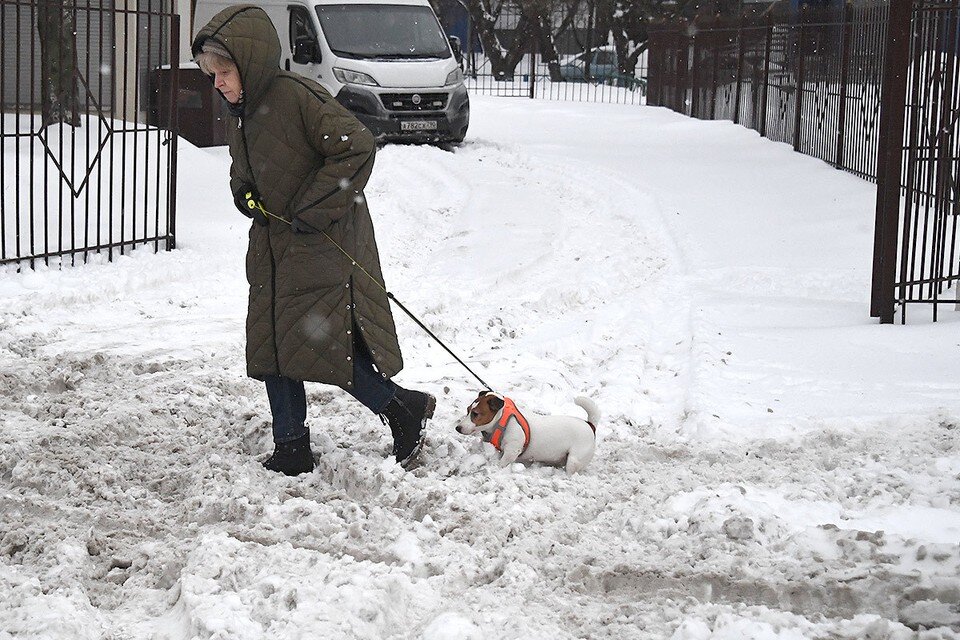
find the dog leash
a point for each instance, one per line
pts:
(251, 203)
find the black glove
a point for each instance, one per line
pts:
(248, 203)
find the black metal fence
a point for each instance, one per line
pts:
(812, 81)
(826, 83)
(916, 250)
(81, 173)
(583, 67)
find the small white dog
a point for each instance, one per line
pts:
(557, 440)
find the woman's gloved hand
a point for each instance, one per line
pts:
(248, 203)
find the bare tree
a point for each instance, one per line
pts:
(56, 27)
(549, 20)
(629, 22)
(503, 59)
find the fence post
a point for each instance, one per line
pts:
(845, 37)
(533, 69)
(766, 77)
(798, 99)
(736, 100)
(893, 98)
(691, 70)
(716, 36)
(174, 131)
(686, 47)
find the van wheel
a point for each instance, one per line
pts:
(457, 139)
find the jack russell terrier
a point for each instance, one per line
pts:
(556, 440)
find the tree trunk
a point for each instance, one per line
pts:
(541, 19)
(56, 26)
(503, 61)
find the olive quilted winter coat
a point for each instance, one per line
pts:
(309, 159)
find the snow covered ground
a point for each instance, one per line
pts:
(772, 463)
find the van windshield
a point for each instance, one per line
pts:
(382, 31)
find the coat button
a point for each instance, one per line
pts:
(348, 331)
(349, 383)
(349, 358)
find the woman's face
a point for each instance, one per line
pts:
(226, 78)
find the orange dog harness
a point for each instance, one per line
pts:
(510, 411)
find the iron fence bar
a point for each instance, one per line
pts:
(766, 75)
(17, 164)
(533, 72)
(798, 95)
(694, 76)
(889, 160)
(929, 168)
(135, 177)
(86, 192)
(75, 81)
(100, 162)
(146, 138)
(125, 105)
(3, 154)
(844, 68)
(173, 136)
(949, 166)
(95, 249)
(910, 181)
(944, 128)
(736, 100)
(33, 92)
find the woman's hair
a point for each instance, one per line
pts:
(211, 62)
(214, 57)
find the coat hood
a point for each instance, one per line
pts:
(247, 33)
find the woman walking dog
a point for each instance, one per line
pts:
(300, 163)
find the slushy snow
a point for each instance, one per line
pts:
(772, 464)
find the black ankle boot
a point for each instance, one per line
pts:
(407, 415)
(291, 458)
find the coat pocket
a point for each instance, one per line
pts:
(311, 262)
(258, 256)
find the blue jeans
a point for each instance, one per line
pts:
(288, 398)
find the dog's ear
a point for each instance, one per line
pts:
(482, 393)
(495, 403)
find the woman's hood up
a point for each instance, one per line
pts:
(248, 34)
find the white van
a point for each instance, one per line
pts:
(387, 61)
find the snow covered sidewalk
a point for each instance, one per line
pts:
(771, 463)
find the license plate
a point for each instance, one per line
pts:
(418, 125)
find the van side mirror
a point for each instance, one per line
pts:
(456, 48)
(305, 50)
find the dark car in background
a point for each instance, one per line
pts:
(603, 69)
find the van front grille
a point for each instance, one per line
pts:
(414, 101)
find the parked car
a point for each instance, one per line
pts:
(603, 69)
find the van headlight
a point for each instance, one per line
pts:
(353, 77)
(455, 77)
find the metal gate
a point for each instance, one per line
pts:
(916, 259)
(873, 89)
(104, 181)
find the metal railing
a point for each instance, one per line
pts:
(93, 178)
(916, 247)
(812, 81)
(873, 89)
(583, 66)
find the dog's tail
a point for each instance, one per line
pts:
(593, 413)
